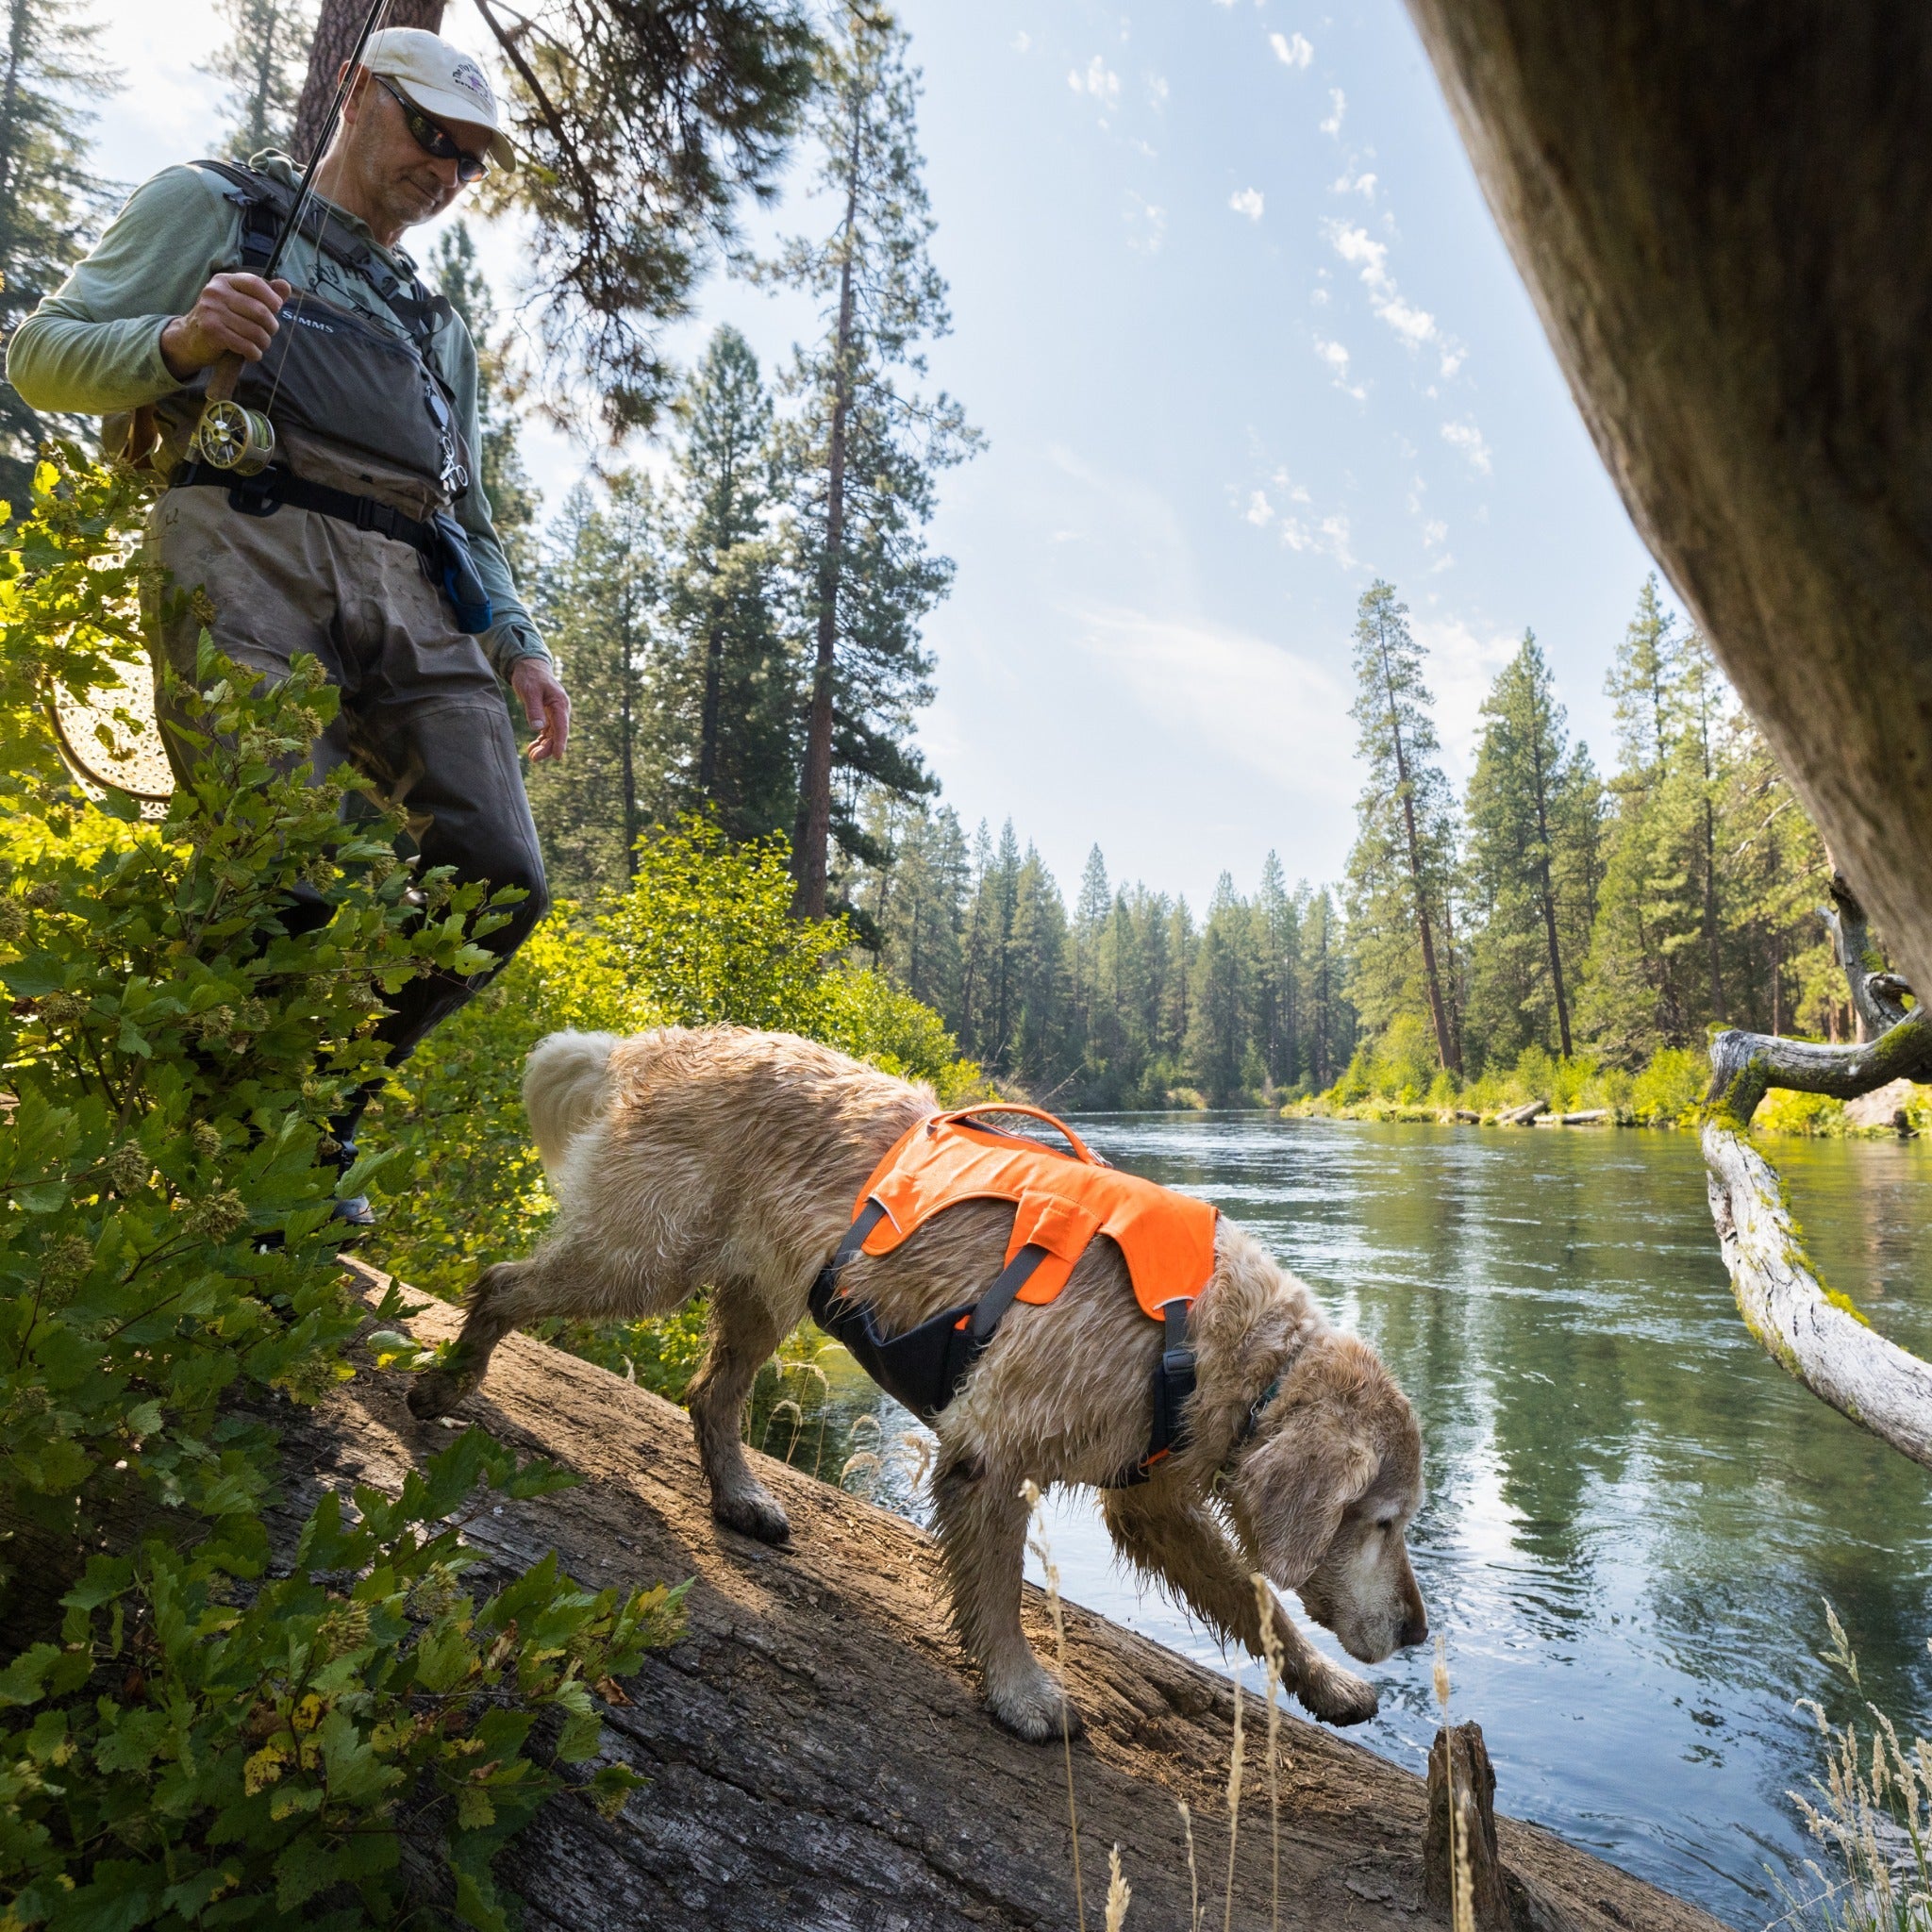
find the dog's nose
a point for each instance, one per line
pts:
(1415, 1629)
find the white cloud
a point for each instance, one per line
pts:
(1319, 298)
(1466, 436)
(1146, 224)
(1328, 538)
(1157, 92)
(1021, 41)
(1247, 201)
(1099, 81)
(1338, 106)
(1462, 666)
(1259, 513)
(1292, 50)
(1335, 355)
(1454, 356)
(1434, 530)
(1350, 182)
(1250, 700)
(1361, 251)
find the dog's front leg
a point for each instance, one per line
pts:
(981, 1522)
(743, 1334)
(1177, 1539)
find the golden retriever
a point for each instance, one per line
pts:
(725, 1160)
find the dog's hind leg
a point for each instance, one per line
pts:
(743, 1334)
(1176, 1540)
(982, 1520)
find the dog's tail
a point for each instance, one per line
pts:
(566, 1082)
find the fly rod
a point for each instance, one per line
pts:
(229, 436)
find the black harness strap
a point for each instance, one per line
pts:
(262, 495)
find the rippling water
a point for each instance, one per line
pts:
(1634, 1518)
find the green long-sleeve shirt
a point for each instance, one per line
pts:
(93, 346)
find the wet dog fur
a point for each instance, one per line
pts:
(727, 1159)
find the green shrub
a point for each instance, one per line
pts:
(1669, 1091)
(173, 1055)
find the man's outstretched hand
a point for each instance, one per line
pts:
(234, 312)
(545, 704)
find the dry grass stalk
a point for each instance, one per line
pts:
(1270, 1653)
(1120, 1894)
(1876, 1816)
(1193, 1870)
(1037, 1543)
(1236, 1753)
(1461, 1881)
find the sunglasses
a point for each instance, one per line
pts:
(434, 139)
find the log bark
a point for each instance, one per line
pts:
(1462, 1782)
(818, 1755)
(1719, 211)
(1522, 1116)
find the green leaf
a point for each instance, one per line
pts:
(22, 1680)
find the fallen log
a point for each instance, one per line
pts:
(818, 1754)
(1522, 1116)
(1590, 1117)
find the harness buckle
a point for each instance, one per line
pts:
(257, 496)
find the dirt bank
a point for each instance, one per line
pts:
(816, 1753)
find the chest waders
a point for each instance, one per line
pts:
(1062, 1201)
(340, 375)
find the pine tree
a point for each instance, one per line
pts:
(1221, 1057)
(598, 604)
(991, 1006)
(1325, 998)
(50, 201)
(513, 499)
(728, 690)
(1641, 990)
(863, 450)
(1091, 911)
(1038, 978)
(1401, 867)
(263, 63)
(1532, 815)
(1278, 975)
(924, 950)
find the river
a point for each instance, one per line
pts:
(1634, 1518)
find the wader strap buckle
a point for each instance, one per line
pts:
(257, 496)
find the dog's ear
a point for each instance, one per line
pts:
(1316, 1466)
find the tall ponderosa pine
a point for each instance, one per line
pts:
(863, 450)
(1532, 816)
(263, 61)
(598, 600)
(50, 200)
(1402, 866)
(729, 691)
(1221, 1057)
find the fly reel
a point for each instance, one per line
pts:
(231, 438)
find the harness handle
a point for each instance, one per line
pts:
(1081, 1150)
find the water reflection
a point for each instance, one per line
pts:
(1634, 1518)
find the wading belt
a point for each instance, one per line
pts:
(1062, 1199)
(272, 489)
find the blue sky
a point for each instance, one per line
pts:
(1242, 336)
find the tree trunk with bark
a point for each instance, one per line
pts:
(336, 28)
(817, 1755)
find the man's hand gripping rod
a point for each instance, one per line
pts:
(229, 436)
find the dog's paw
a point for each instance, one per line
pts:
(1035, 1708)
(753, 1513)
(436, 1392)
(1339, 1697)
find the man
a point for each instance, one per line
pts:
(336, 549)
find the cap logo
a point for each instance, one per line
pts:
(469, 76)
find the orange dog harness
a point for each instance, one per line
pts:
(1061, 1201)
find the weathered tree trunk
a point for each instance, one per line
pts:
(1462, 1786)
(1817, 1336)
(1720, 214)
(819, 1757)
(334, 34)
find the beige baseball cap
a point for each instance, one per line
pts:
(445, 82)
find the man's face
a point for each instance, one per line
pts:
(396, 177)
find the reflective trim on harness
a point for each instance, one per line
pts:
(1060, 1203)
